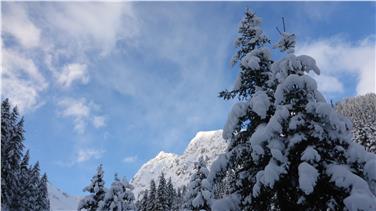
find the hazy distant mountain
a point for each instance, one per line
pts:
(60, 200)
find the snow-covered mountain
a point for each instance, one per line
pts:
(208, 144)
(60, 200)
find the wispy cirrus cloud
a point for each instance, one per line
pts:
(16, 23)
(59, 36)
(130, 159)
(22, 81)
(99, 121)
(88, 154)
(71, 73)
(82, 112)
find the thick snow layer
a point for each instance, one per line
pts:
(308, 64)
(250, 61)
(60, 200)
(336, 126)
(228, 203)
(293, 65)
(310, 154)
(208, 144)
(294, 82)
(360, 197)
(307, 177)
(370, 172)
(296, 121)
(220, 164)
(272, 173)
(260, 103)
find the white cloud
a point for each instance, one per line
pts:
(83, 113)
(88, 154)
(22, 82)
(78, 110)
(15, 21)
(336, 56)
(73, 72)
(99, 121)
(60, 36)
(328, 84)
(130, 159)
(86, 25)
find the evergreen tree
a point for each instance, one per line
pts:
(171, 194)
(19, 182)
(250, 36)
(152, 196)
(254, 90)
(11, 153)
(118, 197)
(24, 183)
(43, 202)
(199, 195)
(307, 158)
(97, 192)
(142, 204)
(128, 197)
(179, 198)
(32, 191)
(361, 110)
(162, 194)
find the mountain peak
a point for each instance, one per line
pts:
(204, 138)
(208, 144)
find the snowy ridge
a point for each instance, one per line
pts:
(208, 144)
(60, 200)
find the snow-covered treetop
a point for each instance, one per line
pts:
(250, 35)
(287, 42)
(97, 182)
(199, 194)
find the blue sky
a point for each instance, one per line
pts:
(117, 83)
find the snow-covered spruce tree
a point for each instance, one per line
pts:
(97, 192)
(179, 199)
(361, 110)
(118, 197)
(19, 182)
(32, 191)
(24, 184)
(255, 94)
(128, 195)
(162, 194)
(199, 194)
(309, 161)
(42, 202)
(11, 153)
(152, 196)
(142, 203)
(171, 194)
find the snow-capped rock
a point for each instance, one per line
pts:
(208, 144)
(60, 200)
